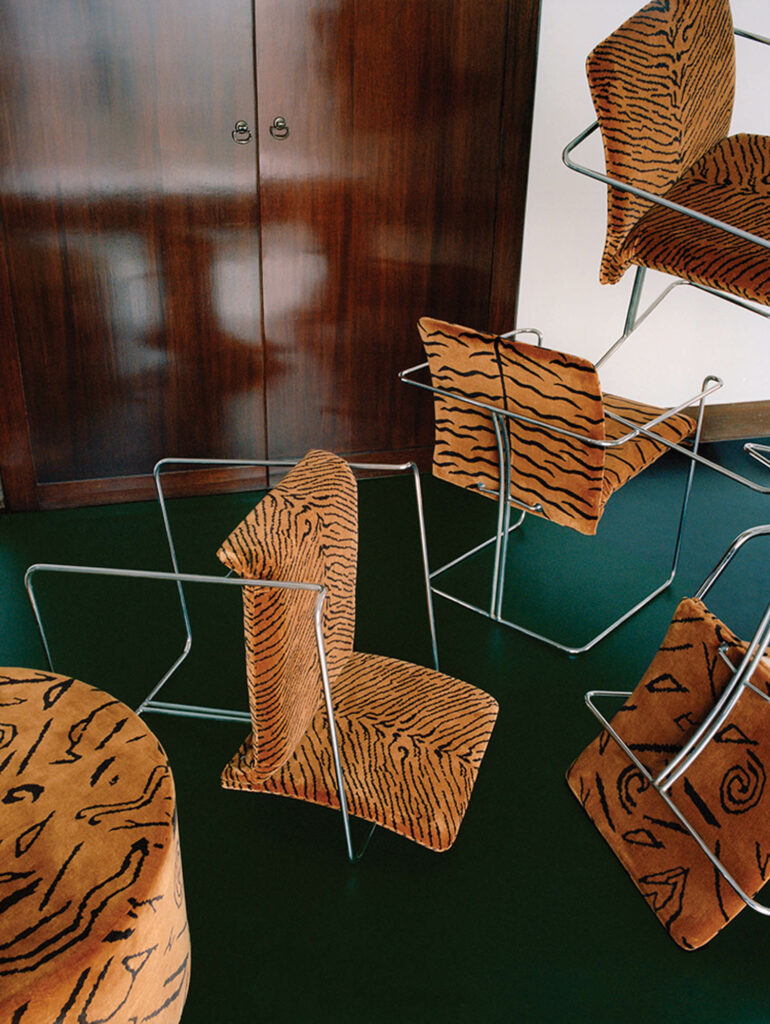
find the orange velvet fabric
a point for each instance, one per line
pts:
(731, 183)
(411, 739)
(570, 478)
(663, 86)
(304, 530)
(93, 924)
(723, 795)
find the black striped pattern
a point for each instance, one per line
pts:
(464, 361)
(93, 924)
(731, 183)
(623, 463)
(562, 473)
(571, 478)
(411, 743)
(723, 794)
(663, 87)
(411, 739)
(303, 530)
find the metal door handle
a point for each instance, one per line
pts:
(241, 133)
(279, 129)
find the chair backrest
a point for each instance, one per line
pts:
(465, 361)
(663, 87)
(304, 530)
(563, 474)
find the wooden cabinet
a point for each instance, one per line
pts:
(169, 289)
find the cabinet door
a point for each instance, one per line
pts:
(130, 269)
(377, 207)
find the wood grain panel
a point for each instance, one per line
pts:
(515, 139)
(133, 325)
(131, 231)
(377, 209)
(16, 468)
(733, 421)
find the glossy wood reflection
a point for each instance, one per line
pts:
(164, 290)
(377, 209)
(131, 231)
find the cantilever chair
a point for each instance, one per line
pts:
(410, 739)
(683, 197)
(530, 427)
(676, 781)
(394, 743)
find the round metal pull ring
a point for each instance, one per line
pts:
(279, 129)
(241, 133)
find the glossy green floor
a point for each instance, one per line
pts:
(529, 917)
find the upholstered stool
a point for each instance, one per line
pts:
(93, 923)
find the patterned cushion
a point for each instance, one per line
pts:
(569, 478)
(303, 530)
(731, 183)
(663, 87)
(92, 912)
(623, 463)
(722, 795)
(463, 360)
(411, 741)
(561, 473)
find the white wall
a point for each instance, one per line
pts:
(691, 334)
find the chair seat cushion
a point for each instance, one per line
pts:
(722, 795)
(411, 742)
(625, 461)
(731, 182)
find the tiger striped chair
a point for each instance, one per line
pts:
(519, 420)
(393, 743)
(683, 196)
(675, 782)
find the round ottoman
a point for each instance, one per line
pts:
(93, 926)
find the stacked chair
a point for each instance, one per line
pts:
(530, 427)
(683, 197)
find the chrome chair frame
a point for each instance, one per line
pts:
(150, 703)
(741, 680)
(506, 501)
(634, 318)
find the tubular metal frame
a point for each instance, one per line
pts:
(227, 714)
(633, 317)
(741, 680)
(163, 465)
(504, 527)
(760, 452)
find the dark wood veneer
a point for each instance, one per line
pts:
(377, 209)
(132, 232)
(513, 170)
(16, 467)
(171, 292)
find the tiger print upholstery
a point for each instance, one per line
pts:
(571, 479)
(304, 530)
(722, 794)
(411, 739)
(663, 87)
(463, 361)
(93, 924)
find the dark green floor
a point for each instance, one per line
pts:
(529, 917)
